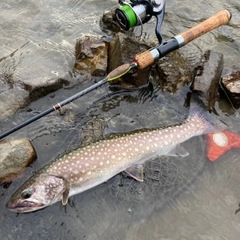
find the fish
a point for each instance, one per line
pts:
(88, 166)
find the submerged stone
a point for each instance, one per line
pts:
(27, 75)
(15, 155)
(12, 98)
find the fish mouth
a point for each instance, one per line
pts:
(25, 206)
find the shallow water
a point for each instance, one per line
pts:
(181, 198)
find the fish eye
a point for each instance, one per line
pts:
(26, 194)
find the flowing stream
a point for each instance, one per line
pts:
(181, 198)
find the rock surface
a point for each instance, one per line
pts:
(173, 72)
(15, 155)
(123, 49)
(231, 84)
(91, 55)
(206, 78)
(12, 97)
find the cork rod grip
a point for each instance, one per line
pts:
(144, 59)
(211, 23)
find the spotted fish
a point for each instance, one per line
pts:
(89, 166)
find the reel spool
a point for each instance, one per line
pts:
(138, 12)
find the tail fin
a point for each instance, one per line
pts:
(211, 122)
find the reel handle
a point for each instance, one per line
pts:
(211, 23)
(148, 57)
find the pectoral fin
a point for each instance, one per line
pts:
(178, 151)
(66, 191)
(65, 196)
(136, 172)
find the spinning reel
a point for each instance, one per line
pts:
(138, 12)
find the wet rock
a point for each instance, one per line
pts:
(173, 72)
(231, 84)
(91, 55)
(108, 22)
(206, 77)
(122, 50)
(15, 155)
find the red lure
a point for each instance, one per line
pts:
(221, 142)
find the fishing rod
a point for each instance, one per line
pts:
(116, 73)
(140, 61)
